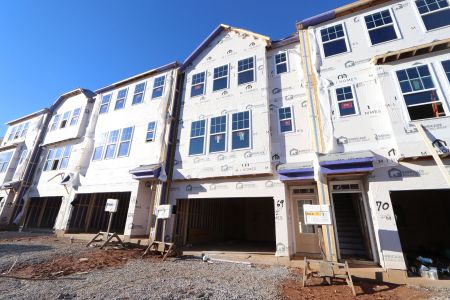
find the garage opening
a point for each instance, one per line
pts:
(89, 216)
(42, 212)
(229, 224)
(423, 223)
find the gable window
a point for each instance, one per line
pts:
(105, 103)
(333, 40)
(125, 142)
(218, 134)
(111, 145)
(346, 101)
(446, 66)
(5, 157)
(220, 80)
(120, 101)
(158, 87)
(65, 119)
(285, 119)
(55, 122)
(151, 132)
(198, 84)
(420, 94)
(57, 158)
(138, 93)
(197, 142)
(246, 70)
(434, 13)
(99, 146)
(281, 64)
(23, 155)
(380, 26)
(240, 130)
(75, 116)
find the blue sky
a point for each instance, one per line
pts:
(52, 46)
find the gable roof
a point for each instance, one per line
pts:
(213, 35)
(88, 93)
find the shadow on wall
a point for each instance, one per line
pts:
(395, 173)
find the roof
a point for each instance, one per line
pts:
(27, 117)
(169, 66)
(77, 91)
(219, 29)
(338, 12)
(293, 38)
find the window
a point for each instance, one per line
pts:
(446, 66)
(5, 157)
(12, 133)
(197, 142)
(151, 132)
(18, 131)
(434, 13)
(138, 93)
(55, 122)
(419, 93)
(302, 227)
(158, 87)
(220, 80)
(198, 84)
(218, 134)
(240, 130)
(333, 40)
(246, 70)
(125, 142)
(57, 158)
(25, 129)
(345, 101)
(111, 145)
(105, 103)
(120, 101)
(285, 119)
(99, 146)
(281, 63)
(75, 116)
(23, 155)
(381, 27)
(65, 119)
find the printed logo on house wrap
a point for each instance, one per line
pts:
(397, 173)
(342, 140)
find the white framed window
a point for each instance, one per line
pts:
(55, 122)
(125, 142)
(99, 146)
(446, 67)
(104, 106)
(346, 101)
(197, 139)
(158, 87)
(18, 131)
(240, 130)
(281, 62)
(25, 129)
(23, 156)
(198, 84)
(5, 158)
(334, 40)
(218, 134)
(138, 96)
(420, 93)
(57, 158)
(111, 144)
(75, 116)
(65, 119)
(12, 133)
(220, 78)
(151, 132)
(381, 27)
(246, 70)
(65, 157)
(120, 100)
(434, 13)
(285, 120)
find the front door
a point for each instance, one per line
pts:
(306, 236)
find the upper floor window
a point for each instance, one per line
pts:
(116, 143)
(111, 144)
(5, 157)
(218, 134)
(246, 70)
(57, 158)
(25, 129)
(99, 146)
(158, 87)
(346, 101)
(220, 80)
(197, 140)
(12, 133)
(420, 93)
(18, 131)
(75, 116)
(23, 155)
(125, 142)
(446, 66)
(333, 40)
(151, 132)
(55, 122)
(281, 63)
(138, 93)
(65, 119)
(120, 101)
(198, 84)
(285, 119)
(434, 13)
(105, 103)
(380, 26)
(240, 130)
